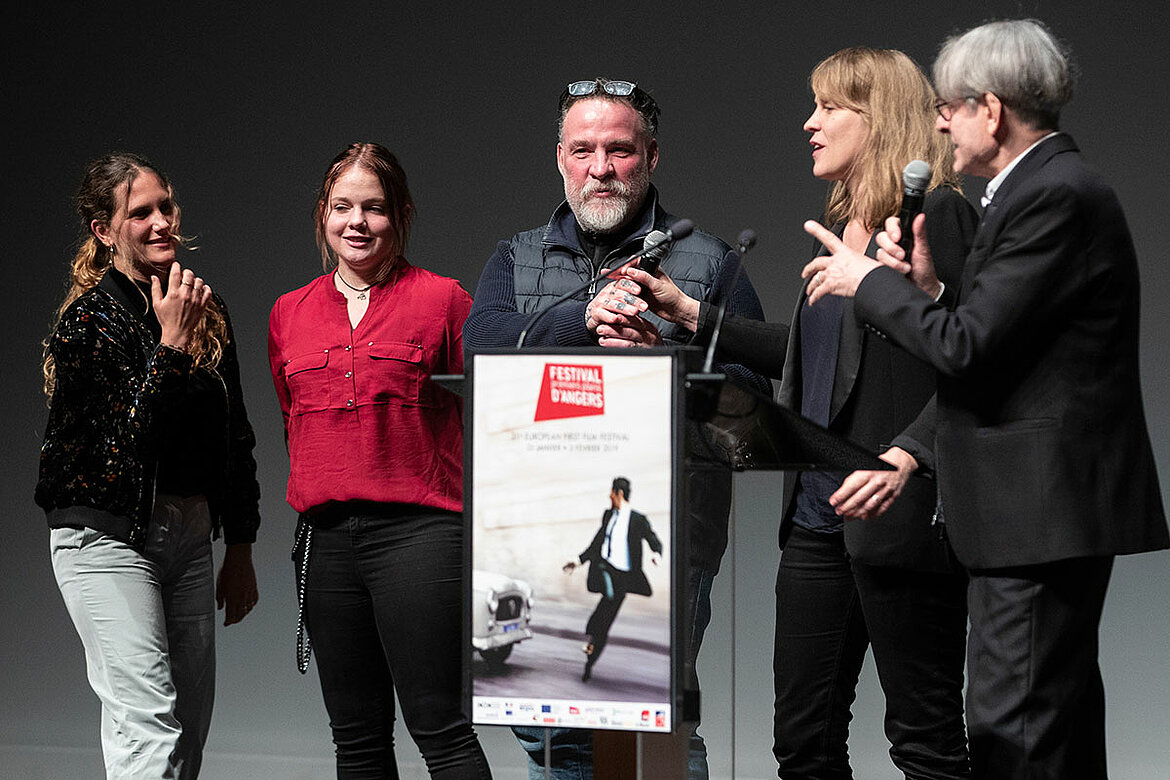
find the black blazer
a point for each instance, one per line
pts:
(879, 390)
(1041, 445)
(635, 581)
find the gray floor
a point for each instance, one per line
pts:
(287, 725)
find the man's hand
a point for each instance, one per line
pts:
(614, 304)
(637, 333)
(866, 494)
(235, 587)
(921, 263)
(613, 316)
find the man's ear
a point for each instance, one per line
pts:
(652, 154)
(994, 118)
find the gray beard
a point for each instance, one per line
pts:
(609, 214)
(603, 217)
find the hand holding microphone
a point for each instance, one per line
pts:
(614, 314)
(910, 252)
(656, 288)
(604, 308)
(915, 182)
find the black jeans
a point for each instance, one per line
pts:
(383, 609)
(828, 611)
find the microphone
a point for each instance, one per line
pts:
(653, 252)
(745, 241)
(679, 230)
(915, 180)
(657, 244)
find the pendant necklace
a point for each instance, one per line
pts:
(361, 291)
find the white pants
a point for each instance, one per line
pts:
(147, 622)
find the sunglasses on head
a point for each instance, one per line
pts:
(616, 88)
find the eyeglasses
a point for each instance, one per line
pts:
(615, 88)
(946, 108)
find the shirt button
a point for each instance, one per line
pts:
(349, 402)
(348, 347)
(370, 344)
(348, 374)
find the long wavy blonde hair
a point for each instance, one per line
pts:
(897, 102)
(104, 191)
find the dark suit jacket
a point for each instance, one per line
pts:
(1041, 443)
(635, 581)
(879, 390)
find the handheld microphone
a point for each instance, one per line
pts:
(915, 180)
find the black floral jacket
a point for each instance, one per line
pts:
(99, 457)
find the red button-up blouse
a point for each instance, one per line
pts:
(361, 419)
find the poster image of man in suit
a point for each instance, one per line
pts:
(615, 566)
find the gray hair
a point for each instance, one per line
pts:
(1019, 61)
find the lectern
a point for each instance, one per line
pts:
(546, 434)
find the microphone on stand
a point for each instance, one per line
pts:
(745, 241)
(654, 249)
(915, 180)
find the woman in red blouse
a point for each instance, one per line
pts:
(375, 455)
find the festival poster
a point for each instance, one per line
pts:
(550, 435)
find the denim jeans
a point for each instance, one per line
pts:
(147, 623)
(828, 611)
(572, 749)
(383, 607)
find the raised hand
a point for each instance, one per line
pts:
(182, 307)
(840, 271)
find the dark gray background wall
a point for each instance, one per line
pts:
(244, 105)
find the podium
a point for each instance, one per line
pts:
(546, 433)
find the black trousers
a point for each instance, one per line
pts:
(606, 611)
(383, 608)
(828, 611)
(1035, 700)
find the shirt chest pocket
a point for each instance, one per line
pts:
(308, 381)
(395, 374)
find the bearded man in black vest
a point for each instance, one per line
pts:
(607, 150)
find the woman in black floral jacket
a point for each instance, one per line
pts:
(147, 455)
